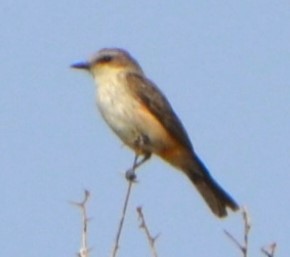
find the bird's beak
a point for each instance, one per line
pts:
(81, 65)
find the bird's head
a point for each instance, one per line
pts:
(109, 61)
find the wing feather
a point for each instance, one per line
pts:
(147, 92)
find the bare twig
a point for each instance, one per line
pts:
(124, 211)
(84, 250)
(247, 226)
(235, 241)
(270, 251)
(131, 177)
(144, 226)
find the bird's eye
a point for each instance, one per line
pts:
(106, 58)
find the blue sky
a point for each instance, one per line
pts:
(224, 67)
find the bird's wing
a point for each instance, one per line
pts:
(146, 92)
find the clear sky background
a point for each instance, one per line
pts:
(225, 67)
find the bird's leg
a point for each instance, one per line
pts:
(131, 174)
(141, 141)
(145, 158)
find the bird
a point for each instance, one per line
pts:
(140, 114)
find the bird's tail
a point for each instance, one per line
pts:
(216, 198)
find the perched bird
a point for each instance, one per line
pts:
(139, 113)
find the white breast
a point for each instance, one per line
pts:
(117, 106)
(126, 116)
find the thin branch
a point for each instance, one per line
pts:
(270, 251)
(84, 250)
(124, 211)
(144, 226)
(131, 178)
(247, 227)
(235, 241)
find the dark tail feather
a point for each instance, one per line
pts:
(216, 198)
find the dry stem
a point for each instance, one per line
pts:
(247, 226)
(131, 179)
(124, 211)
(270, 251)
(144, 226)
(84, 250)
